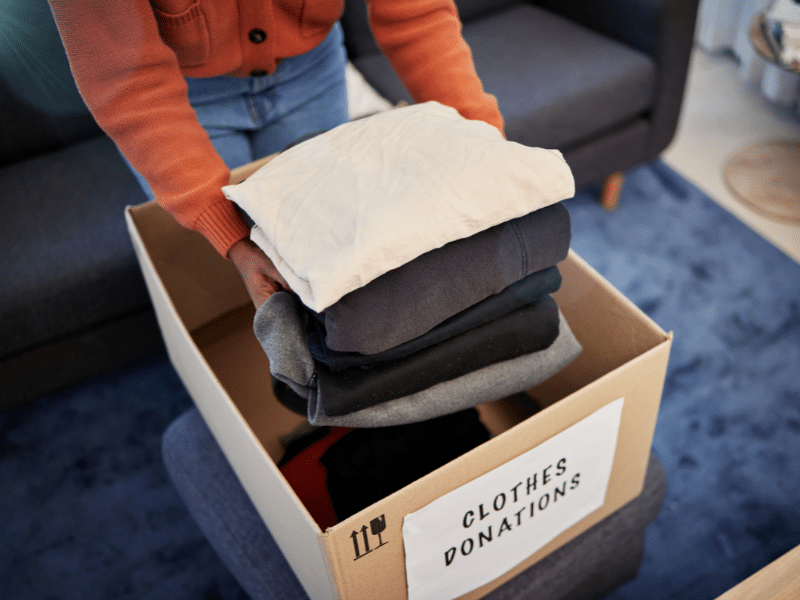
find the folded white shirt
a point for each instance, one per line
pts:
(345, 207)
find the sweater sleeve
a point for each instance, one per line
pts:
(423, 42)
(132, 84)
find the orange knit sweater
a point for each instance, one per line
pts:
(129, 59)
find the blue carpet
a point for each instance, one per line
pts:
(728, 431)
(87, 510)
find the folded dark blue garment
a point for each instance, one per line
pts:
(521, 293)
(411, 300)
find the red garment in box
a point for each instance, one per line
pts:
(308, 478)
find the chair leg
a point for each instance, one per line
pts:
(612, 187)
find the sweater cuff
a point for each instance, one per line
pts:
(222, 225)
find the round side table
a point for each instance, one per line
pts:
(765, 176)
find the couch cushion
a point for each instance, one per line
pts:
(39, 103)
(358, 37)
(67, 260)
(28, 128)
(557, 83)
(475, 9)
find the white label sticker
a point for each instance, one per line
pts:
(477, 532)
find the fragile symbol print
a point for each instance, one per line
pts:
(361, 537)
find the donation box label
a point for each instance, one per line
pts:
(474, 534)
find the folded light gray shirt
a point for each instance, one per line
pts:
(412, 299)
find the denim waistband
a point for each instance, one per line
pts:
(214, 89)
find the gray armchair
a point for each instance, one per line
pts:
(601, 81)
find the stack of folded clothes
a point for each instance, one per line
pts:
(421, 252)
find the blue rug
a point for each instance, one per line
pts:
(87, 510)
(728, 431)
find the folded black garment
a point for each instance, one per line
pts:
(411, 300)
(367, 465)
(280, 328)
(521, 293)
(301, 441)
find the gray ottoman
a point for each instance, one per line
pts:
(590, 566)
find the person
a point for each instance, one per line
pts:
(189, 89)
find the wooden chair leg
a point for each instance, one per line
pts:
(612, 187)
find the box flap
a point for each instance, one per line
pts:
(196, 279)
(287, 519)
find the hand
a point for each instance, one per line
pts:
(260, 276)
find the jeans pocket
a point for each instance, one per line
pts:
(186, 33)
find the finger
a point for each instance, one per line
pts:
(261, 290)
(273, 274)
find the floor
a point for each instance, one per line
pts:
(722, 114)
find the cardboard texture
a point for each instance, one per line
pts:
(206, 318)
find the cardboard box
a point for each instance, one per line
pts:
(206, 318)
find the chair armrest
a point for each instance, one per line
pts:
(642, 24)
(662, 29)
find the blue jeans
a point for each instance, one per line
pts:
(250, 117)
